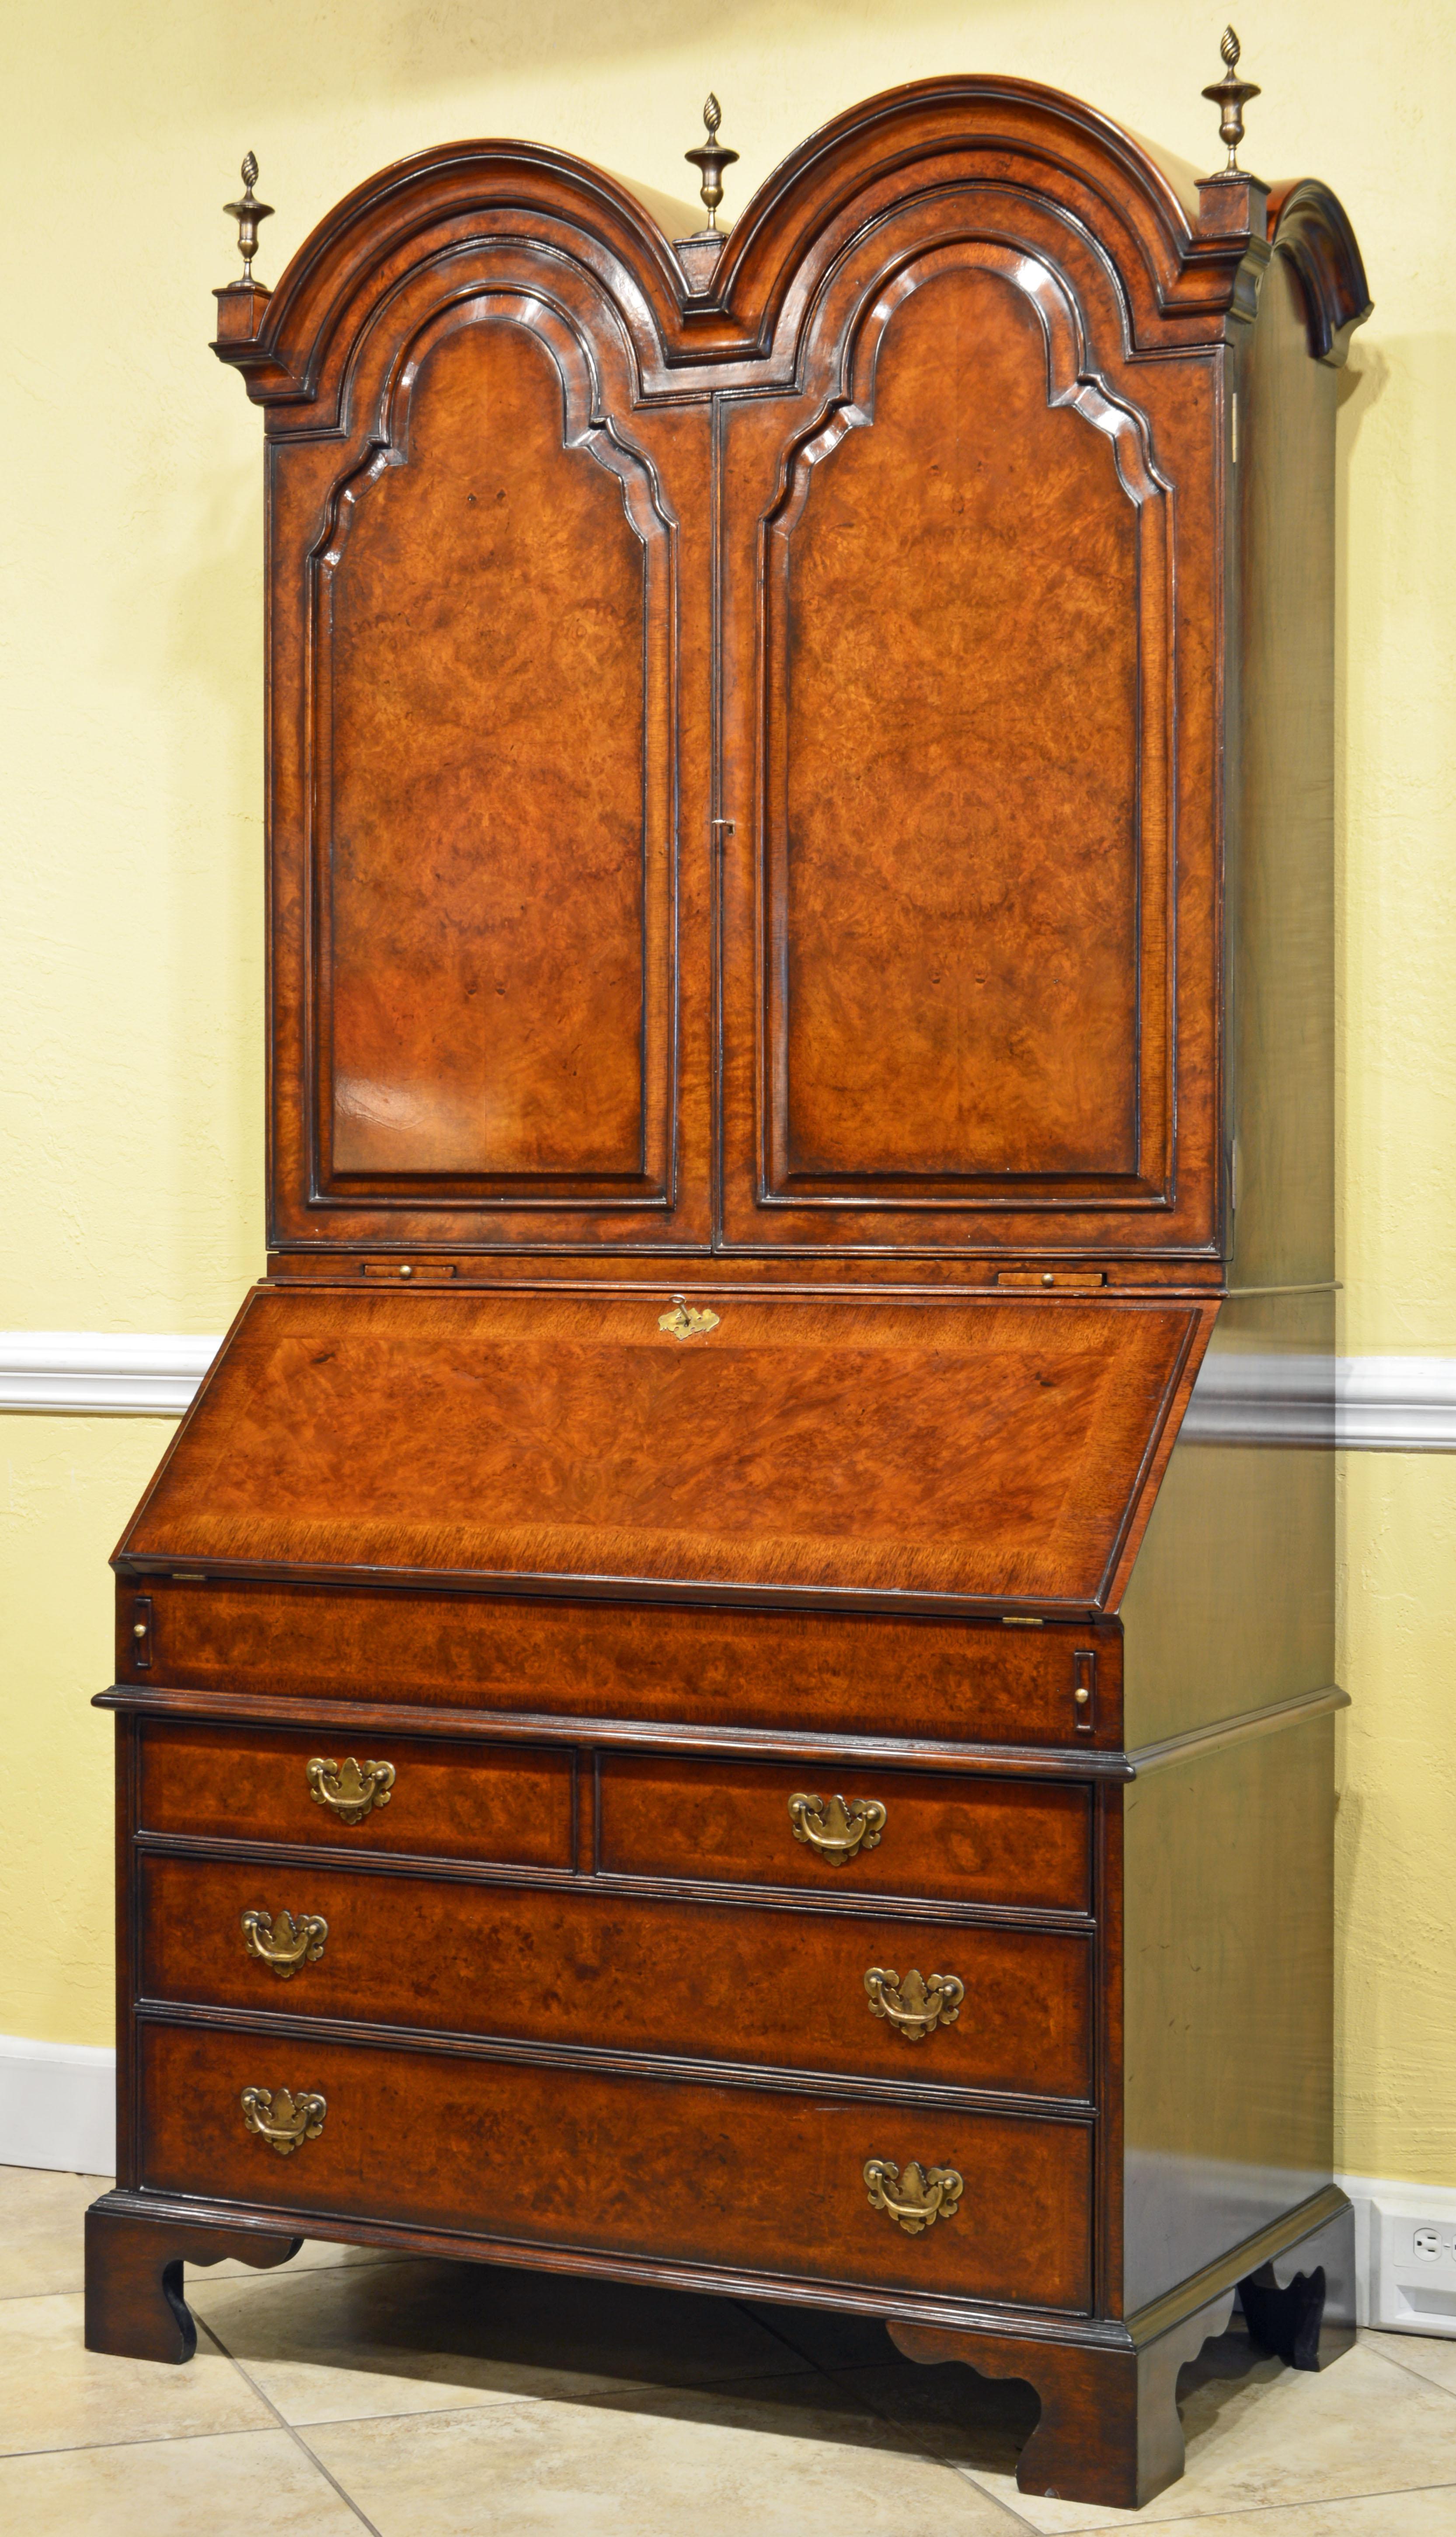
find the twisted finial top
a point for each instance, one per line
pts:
(248, 213)
(711, 158)
(1230, 95)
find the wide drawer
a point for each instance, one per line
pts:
(743, 2179)
(508, 1804)
(845, 1673)
(944, 1836)
(721, 1982)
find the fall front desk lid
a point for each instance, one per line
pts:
(819, 1450)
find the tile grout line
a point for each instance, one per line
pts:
(1412, 2372)
(1213, 2519)
(994, 2498)
(299, 2441)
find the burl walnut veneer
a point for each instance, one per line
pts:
(713, 1689)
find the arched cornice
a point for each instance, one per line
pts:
(1310, 226)
(1180, 281)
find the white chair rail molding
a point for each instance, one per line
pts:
(1395, 1404)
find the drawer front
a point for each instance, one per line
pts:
(850, 1673)
(718, 1982)
(508, 1803)
(743, 2177)
(946, 1836)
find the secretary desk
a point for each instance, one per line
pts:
(729, 1681)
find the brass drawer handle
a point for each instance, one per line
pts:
(931, 2193)
(350, 1789)
(837, 1830)
(291, 1945)
(284, 2121)
(915, 2007)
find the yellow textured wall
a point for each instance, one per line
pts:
(130, 686)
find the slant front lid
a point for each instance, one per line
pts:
(818, 1450)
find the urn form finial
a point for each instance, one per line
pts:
(711, 159)
(249, 213)
(1230, 95)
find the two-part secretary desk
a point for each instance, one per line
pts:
(692, 1703)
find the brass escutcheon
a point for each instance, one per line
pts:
(688, 1320)
(350, 1789)
(835, 1830)
(284, 2121)
(288, 1946)
(916, 2006)
(927, 2194)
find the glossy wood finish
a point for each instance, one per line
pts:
(510, 1804)
(1108, 2430)
(852, 1674)
(813, 787)
(948, 1839)
(536, 2154)
(944, 1453)
(134, 2303)
(1220, 1849)
(683, 1979)
(532, 573)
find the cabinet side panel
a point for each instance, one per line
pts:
(1232, 1603)
(1229, 1999)
(1282, 837)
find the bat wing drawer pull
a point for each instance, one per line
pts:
(350, 1790)
(284, 2121)
(927, 2194)
(916, 2006)
(287, 1944)
(837, 1831)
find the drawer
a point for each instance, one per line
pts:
(680, 1978)
(740, 2179)
(508, 1804)
(842, 1674)
(946, 1836)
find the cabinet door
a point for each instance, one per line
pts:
(489, 596)
(951, 1011)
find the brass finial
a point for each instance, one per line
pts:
(248, 213)
(711, 158)
(1232, 96)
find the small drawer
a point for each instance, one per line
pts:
(977, 1681)
(508, 1803)
(944, 1837)
(847, 1993)
(736, 2179)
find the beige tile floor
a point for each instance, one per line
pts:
(356, 2390)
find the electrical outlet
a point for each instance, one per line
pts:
(1413, 2270)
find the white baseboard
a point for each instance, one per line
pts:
(57, 2106)
(1392, 2291)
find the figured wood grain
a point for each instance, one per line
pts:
(743, 2175)
(975, 1449)
(855, 1673)
(997, 1840)
(504, 1802)
(483, 721)
(682, 1979)
(960, 860)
